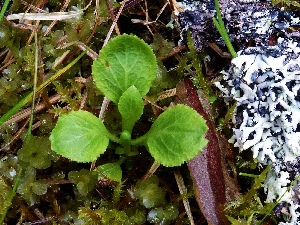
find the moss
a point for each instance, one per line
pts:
(248, 208)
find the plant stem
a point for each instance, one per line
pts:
(112, 137)
(140, 140)
(5, 5)
(248, 175)
(221, 28)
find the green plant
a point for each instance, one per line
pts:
(3, 10)
(221, 28)
(124, 72)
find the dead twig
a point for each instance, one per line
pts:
(114, 23)
(55, 21)
(182, 190)
(112, 16)
(21, 26)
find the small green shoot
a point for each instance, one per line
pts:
(124, 72)
(228, 117)
(246, 208)
(110, 171)
(3, 10)
(34, 85)
(222, 30)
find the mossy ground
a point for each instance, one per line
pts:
(54, 190)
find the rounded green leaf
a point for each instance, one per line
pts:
(176, 136)
(79, 136)
(125, 61)
(131, 107)
(112, 171)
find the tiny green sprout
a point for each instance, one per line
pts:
(3, 10)
(124, 72)
(222, 30)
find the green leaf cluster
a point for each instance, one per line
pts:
(9, 166)
(30, 188)
(36, 152)
(149, 203)
(149, 193)
(124, 73)
(110, 171)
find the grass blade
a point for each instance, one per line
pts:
(25, 100)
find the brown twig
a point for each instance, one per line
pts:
(7, 64)
(55, 182)
(147, 17)
(183, 191)
(84, 99)
(55, 21)
(91, 53)
(3, 52)
(21, 26)
(16, 136)
(176, 50)
(33, 7)
(87, 40)
(127, 5)
(114, 23)
(112, 16)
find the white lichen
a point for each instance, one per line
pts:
(265, 82)
(265, 88)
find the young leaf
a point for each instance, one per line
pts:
(79, 136)
(112, 171)
(131, 107)
(176, 136)
(125, 61)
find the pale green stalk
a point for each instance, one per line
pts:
(221, 28)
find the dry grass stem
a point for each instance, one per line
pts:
(114, 23)
(47, 16)
(60, 59)
(182, 190)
